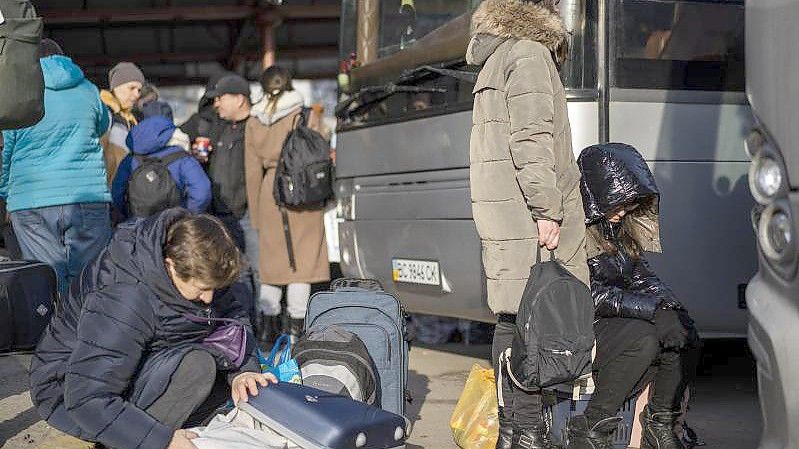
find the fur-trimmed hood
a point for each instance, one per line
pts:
(496, 21)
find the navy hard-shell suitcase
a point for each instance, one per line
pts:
(314, 419)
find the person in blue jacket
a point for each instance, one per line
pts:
(54, 175)
(158, 137)
(123, 362)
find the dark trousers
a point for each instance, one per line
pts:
(246, 239)
(522, 408)
(628, 357)
(194, 391)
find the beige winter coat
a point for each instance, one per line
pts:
(262, 150)
(522, 165)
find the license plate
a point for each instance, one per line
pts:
(416, 271)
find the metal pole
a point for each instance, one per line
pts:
(368, 30)
(603, 71)
(268, 44)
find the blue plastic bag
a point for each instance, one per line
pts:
(279, 361)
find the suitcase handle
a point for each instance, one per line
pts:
(354, 284)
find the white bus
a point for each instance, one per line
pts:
(666, 76)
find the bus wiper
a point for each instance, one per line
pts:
(367, 97)
(463, 75)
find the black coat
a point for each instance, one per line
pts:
(625, 287)
(615, 175)
(122, 312)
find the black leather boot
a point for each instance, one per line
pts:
(268, 329)
(599, 436)
(296, 328)
(535, 438)
(505, 439)
(658, 429)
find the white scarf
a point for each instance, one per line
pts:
(289, 102)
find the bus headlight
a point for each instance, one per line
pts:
(779, 232)
(776, 234)
(766, 178)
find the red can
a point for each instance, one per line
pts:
(202, 146)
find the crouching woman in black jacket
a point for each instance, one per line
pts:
(123, 361)
(643, 333)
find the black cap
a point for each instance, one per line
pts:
(230, 84)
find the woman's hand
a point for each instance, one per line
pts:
(246, 384)
(181, 439)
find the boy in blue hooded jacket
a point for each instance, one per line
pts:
(158, 137)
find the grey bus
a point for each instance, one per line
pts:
(666, 76)
(773, 295)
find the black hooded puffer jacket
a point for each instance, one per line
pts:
(616, 175)
(123, 321)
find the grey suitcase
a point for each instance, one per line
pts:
(378, 318)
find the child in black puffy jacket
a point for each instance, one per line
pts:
(643, 332)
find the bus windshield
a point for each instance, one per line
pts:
(403, 36)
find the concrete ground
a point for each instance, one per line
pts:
(724, 410)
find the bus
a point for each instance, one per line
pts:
(666, 76)
(771, 68)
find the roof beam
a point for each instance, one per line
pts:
(189, 13)
(302, 52)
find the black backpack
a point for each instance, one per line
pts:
(151, 188)
(304, 173)
(21, 79)
(336, 360)
(554, 329)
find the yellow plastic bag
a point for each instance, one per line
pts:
(474, 422)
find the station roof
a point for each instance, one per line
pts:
(180, 42)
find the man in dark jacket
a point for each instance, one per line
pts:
(225, 167)
(122, 363)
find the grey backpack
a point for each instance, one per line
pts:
(335, 360)
(554, 329)
(21, 79)
(378, 319)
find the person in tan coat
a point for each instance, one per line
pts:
(267, 129)
(524, 179)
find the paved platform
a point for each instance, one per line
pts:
(724, 410)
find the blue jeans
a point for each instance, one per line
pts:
(66, 237)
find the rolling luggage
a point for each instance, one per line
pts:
(378, 319)
(27, 292)
(314, 419)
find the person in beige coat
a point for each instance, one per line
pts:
(267, 129)
(524, 179)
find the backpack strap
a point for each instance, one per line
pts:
(172, 157)
(166, 160)
(538, 254)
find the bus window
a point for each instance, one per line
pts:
(579, 70)
(403, 22)
(679, 44)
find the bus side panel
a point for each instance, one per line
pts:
(584, 123)
(369, 246)
(434, 143)
(708, 242)
(682, 131)
(437, 195)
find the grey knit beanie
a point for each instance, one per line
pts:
(124, 72)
